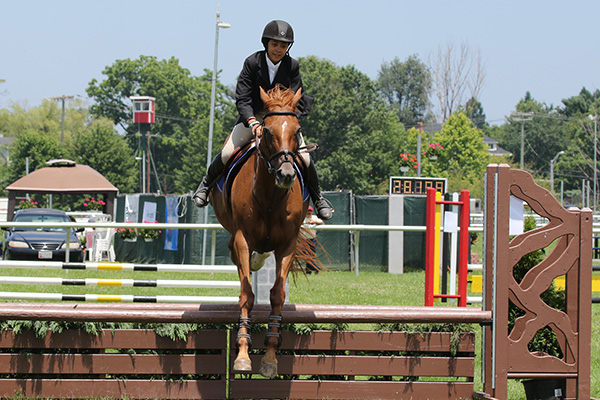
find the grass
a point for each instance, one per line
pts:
(329, 287)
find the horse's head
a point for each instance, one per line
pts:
(280, 136)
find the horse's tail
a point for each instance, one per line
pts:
(306, 252)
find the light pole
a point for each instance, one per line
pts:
(595, 118)
(552, 169)
(211, 123)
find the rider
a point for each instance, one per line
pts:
(266, 69)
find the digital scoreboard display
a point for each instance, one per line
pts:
(404, 185)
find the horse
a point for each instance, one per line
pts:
(263, 211)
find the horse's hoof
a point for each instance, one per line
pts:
(268, 370)
(242, 366)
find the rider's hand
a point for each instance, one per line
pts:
(254, 126)
(257, 130)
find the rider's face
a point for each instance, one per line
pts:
(276, 50)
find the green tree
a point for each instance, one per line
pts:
(464, 158)
(581, 104)
(34, 147)
(474, 110)
(359, 137)
(406, 87)
(544, 135)
(102, 148)
(579, 129)
(181, 101)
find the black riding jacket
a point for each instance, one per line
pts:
(255, 74)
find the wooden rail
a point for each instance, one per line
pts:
(229, 313)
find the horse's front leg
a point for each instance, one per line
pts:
(240, 255)
(268, 364)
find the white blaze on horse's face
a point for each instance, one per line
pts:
(286, 173)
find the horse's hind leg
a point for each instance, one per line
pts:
(268, 364)
(241, 257)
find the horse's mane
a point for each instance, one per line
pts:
(279, 96)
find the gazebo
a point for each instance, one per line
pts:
(63, 177)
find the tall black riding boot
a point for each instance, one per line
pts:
(215, 169)
(322, 206)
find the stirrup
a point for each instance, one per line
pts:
(324, 208)
(274, 322)
(244, 323)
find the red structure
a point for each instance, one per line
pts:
(143, 109)
(463, 248)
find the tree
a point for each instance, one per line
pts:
(181, 101)
(544, 135)
(464, 158)
(474, 111)
(87, 141)
(406, 87)
(579, 128)
(37, 149)
(359, 137)
(99, 143)
(581, 104)
(458, 75)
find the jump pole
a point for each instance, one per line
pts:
(432, 231)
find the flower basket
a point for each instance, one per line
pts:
(93, 204)
(127, 234)
(407, 162)
(28, 204)
(149, 233)
(433, 151)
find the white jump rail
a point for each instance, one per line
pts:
(356, 229)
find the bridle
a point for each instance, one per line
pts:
(289, 157)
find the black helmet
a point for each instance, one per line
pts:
(278, 30)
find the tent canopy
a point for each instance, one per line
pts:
(63, 177)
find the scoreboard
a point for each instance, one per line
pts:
(404, 185)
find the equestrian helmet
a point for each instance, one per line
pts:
(278, 30)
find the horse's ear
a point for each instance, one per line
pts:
(297, 97)
(263, 95)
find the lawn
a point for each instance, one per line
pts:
(372, 288)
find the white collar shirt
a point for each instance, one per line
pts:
(273, 68)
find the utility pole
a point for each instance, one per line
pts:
(62, 120)
(522, 117)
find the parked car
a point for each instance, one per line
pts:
(45, 243)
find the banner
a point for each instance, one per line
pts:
(171, 217)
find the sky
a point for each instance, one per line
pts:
(55, 48)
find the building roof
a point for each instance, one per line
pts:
(62, 176)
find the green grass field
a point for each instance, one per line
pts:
(372, 288)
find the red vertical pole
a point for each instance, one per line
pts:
(429, 246)
(463, 248)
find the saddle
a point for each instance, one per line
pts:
(233, 166)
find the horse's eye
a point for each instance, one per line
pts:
(266, 131)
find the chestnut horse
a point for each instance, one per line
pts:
(263, 213)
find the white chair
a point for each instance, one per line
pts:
(103, 244)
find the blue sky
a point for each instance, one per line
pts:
(54, 48)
